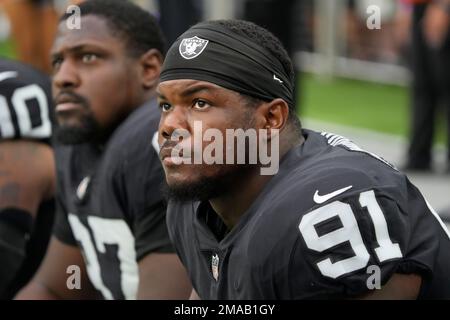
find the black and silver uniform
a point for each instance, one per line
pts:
(26, 112)
(109, 203)
(325, 226)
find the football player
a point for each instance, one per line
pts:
(27, 178)
(110, 225)
(333, 221)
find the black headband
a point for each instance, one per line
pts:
(212, 53)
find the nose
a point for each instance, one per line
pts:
(66, 77)
(171, 121)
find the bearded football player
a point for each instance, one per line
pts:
(110, 220)
(312, 229)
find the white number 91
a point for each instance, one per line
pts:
(349, 232)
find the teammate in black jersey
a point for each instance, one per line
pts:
(333, 221)
(27, 179)
(110, 210)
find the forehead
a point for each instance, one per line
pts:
(94, 29)
(187, 86)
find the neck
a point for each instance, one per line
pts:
(234, 203)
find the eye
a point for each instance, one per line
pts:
(164, 106)
(56, 62)
(89, 57)
(201, 104)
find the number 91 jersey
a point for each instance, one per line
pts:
(334, 222)
(25, 102)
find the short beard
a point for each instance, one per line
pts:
(77, 135)
(205, 188)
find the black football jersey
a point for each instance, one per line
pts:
(25, 102)
(110, 204)
(334, 222)
(26, 112)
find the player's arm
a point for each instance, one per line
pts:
(27, 174)
(162, 276)
(26, 180)
(399, 287)
(54, 279)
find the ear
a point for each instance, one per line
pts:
(274, 114)
(150, 63)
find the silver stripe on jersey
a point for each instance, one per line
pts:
(337, 140)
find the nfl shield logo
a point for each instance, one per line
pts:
(215, 266)
(191, 48)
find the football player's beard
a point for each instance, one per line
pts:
(207, 187)
(87, 131)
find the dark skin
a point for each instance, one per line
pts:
(27, 179)
(185, 101)
(222, 109)
(25, 184)
(94, 63)
(87, 63)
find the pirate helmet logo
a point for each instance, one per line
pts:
(191, 48)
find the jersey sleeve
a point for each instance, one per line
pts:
(62, 230)
(355, 243)
(25, 103)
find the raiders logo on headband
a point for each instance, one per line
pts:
(191, 48)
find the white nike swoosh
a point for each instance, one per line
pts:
(322, 198)
(276, 78)
(7, 74)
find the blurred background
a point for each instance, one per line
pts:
(358, 64)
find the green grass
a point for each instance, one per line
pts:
(7, 49)
(378, 107)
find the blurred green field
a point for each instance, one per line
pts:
(378, 107)
(7, 49)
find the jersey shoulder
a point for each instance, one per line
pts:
(319, 173)
(324, 190)
(130, 174)
(25, 102)
(335, 212)
(136, 137)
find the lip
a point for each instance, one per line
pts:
(168, 160)
(173, 161)
(67, 107)
(164, 153)
(67, 101)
